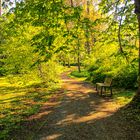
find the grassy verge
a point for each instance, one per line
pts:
(18, 102)
(123, 97)
(81, 74)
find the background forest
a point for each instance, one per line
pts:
(102, 37)
(40, 39)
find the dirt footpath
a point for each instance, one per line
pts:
(76, 112)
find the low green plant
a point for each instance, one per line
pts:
(18, 102)
(123, 97)
(81, 74)
(123, 76)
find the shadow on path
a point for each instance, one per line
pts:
(76, 112)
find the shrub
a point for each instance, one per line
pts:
(80, 74)
(98, 74)
(123, 77)
(97, 77)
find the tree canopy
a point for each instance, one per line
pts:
(38, 39)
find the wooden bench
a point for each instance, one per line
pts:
(107, 84)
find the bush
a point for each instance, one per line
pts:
(126, 78)
(98, 74)
(80, 74)
(2, 71)
(92, 68)
(97, 77)
(123, 77)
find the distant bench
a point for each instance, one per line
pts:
(107, 84)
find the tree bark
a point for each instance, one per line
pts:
(71, 3)
(0, 7)
(68, 63)
(15, 3)
(87, 30)
(40, 72)
(78, 56)
(64, 63)
(79, 66)
(137, 12)
(139, 57)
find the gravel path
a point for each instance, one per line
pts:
(78, 113)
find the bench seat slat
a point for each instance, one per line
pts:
(107, 84)
(103, 84)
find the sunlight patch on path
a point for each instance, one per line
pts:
(51, 137)
(78, 110)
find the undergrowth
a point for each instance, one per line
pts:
(81, 74)
(18, 102)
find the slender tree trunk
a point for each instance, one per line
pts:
(78, 43)
(139, 50)
(78, 56)
(78, 60)
(15, 3)
(40, 71)
(68, 63)
(64, 63)
(71, 3)
(0, 7)
(137, 12)
(87, 30)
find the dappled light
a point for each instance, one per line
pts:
(69, 70)
(73, 112)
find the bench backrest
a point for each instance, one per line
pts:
(108, 81)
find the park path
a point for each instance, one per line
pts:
(76, 112)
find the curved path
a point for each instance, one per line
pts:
(76, 112)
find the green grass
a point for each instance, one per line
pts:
(17, 103)
(81, 74)
(123, 97)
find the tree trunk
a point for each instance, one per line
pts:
(87, 30)
(71, 3)
(64, 63)
(15, 3)
(137, 12)
(78, 60)
(78, 56)
(0, 7)
(40, 72)
(139, 53)
(68, 63)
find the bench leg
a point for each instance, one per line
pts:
(105, 89)
(96, 87)
(111, 91)
(101, 90)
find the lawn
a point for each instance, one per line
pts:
(17, 103)
(123, 97)
(81, 74)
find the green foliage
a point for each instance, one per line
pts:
(83, 73)
(126, 78)
(50, 73)
(97, 76)
(39, 35)
(17, 103)
(123, 76)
